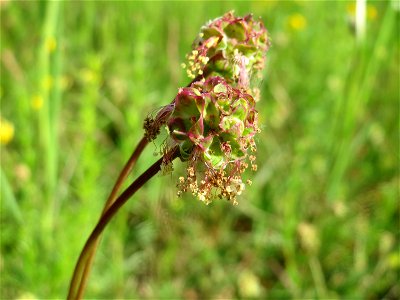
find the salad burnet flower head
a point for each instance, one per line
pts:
(213, 121)
(214, 125)
(231, 47)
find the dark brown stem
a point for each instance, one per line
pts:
(121, 178)
(125, 172)
(108, 215)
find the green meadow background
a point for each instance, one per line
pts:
(321, 219)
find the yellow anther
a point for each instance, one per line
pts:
(190, 171)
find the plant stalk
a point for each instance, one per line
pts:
(121, 178)
(74, 294)
(110, 200)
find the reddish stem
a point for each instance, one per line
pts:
(125, 172)
(108, 215)
(110, 200)
(122, 176)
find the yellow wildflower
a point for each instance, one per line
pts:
(51, 44)
(37, 102)
(372, 12)
(393, 260)
(47, 83)
(351, 9)
(6, 131)
(297, 22)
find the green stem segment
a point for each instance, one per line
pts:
(113, 195)
(108, 215)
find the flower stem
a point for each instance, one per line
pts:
(124, 173)
(108, 215)
(121, 178)
(88, 261)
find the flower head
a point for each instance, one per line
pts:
(214, 125)
(6, 131)
(297, 22)
(231, 47)
(213, 120)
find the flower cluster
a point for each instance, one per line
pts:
(213, 121)
(231, 47)
(214, 125)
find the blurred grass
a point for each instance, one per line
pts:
(322, 217)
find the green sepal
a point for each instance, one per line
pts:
(209, 32)
(185, 150)
(236, 30)
(240, 109)
(247, 50)
(214, 155)
(232, 125)
(220, 88)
